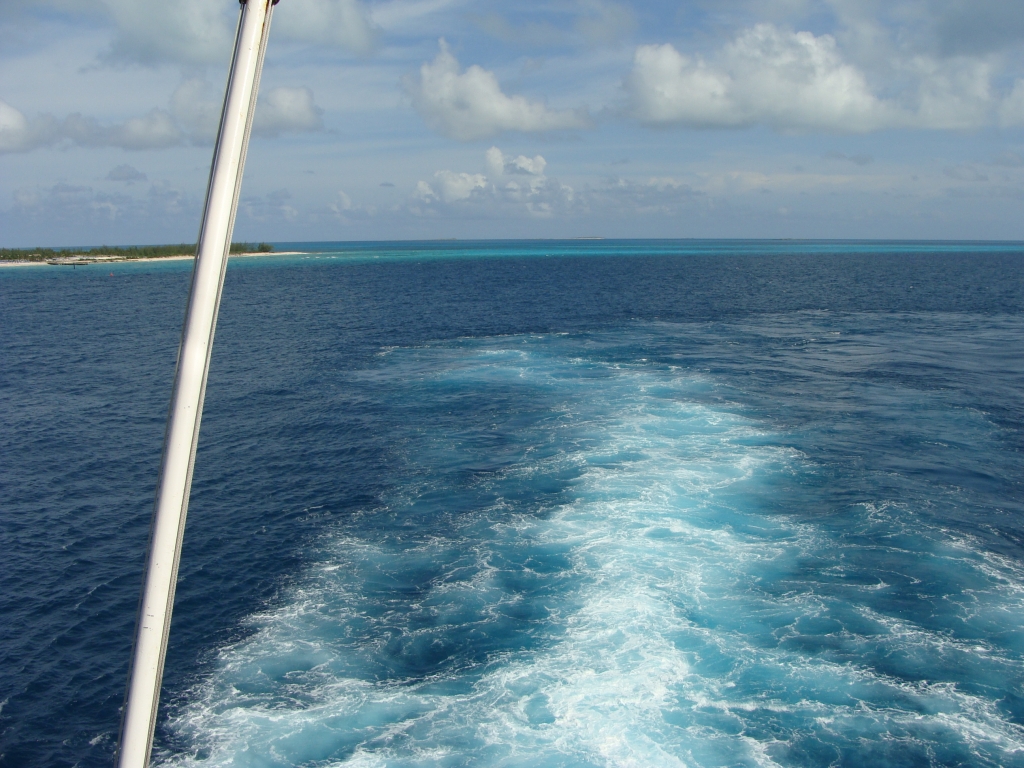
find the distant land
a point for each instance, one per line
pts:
(104, 253)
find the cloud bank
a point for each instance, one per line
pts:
(798, 82)
(198, 32)
(154, 130)
(193, 117)
(471, 105)
(790, 81)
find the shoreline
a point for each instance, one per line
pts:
(92, 260)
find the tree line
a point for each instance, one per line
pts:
(125, 252)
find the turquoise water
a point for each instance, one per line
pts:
(643, 503)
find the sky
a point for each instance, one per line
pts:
(422, 119)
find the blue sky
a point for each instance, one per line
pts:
(451, 118)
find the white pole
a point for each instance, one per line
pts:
(154, 619)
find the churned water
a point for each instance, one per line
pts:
(531, 504)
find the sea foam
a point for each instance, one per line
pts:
(593, 569)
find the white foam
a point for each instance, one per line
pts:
(664, 645)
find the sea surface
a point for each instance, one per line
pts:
(578, 503)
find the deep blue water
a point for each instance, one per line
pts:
(646, 503)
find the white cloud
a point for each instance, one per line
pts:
(471, 105)
(495, 161)
(788, 80)
(343, 23)
(450, 187)
(533, 166)
(283, 109)
(154, 130)
(15, 133)
(342, 204)
(196, 107)
(194, 115)
(458, 186)
(801, 82)
(511, 183)
(498, 164)
(424, 192)
(342, 208)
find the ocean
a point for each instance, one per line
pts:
(573, 503)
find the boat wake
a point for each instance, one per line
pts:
(583, 562)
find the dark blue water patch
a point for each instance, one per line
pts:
(606, 283)
(892, 370)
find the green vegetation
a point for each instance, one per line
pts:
(129, 252)
(251, 248)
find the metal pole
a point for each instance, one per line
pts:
(154, 619)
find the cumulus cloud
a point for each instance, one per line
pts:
(15, 132)
(343, 203)
(498, 164)
(471, 105)
(788, 80)
(801, 82)
(451, 187)
(343, 209)
(510, 183)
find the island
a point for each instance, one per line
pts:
(107, 253)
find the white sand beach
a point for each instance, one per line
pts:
(83, 260)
